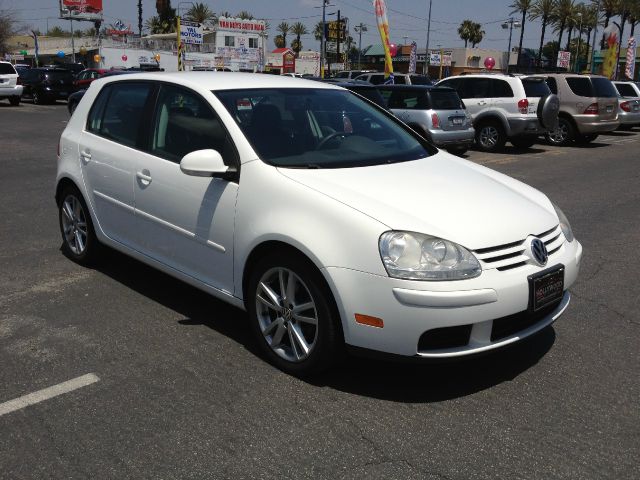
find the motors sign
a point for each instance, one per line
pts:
(191, 32)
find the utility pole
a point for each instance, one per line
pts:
(73, 44)
(592, 58)
(577, 63)
(338, 41)
(426, 52)
(140, 17)
(323, 45)
(510, 24)
(359, 28)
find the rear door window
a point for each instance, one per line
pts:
(500, 89)
(477, 88)
(408, 99)
(445, 100)
(117, 113)
(535, 87)
(626, 90)
(604, 88)
(552, 84)
(580, 86)
(7, 69)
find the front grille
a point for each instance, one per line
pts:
(445, 337)
(506, 326)
(511, 255)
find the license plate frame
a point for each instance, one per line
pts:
(546, 287)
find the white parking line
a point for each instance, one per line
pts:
(47, 393)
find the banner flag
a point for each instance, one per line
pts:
(413, 57)
(383, 27)
(630, 68)
(610, 64)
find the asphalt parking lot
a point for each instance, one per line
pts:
(123, 372)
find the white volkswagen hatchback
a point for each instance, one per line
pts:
(330, 221)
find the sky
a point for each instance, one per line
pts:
(407, 18)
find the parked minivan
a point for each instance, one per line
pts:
(588, 107)
(437, 113)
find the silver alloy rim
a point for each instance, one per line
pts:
(287, 314)
(560, 134)
(74, 225)
(489, 136)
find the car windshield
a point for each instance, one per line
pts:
(319, 128)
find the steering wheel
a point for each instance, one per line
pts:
(330, 137)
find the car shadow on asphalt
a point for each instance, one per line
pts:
(511, 150)
(401, 381)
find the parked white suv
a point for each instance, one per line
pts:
(325, 217)
(506, 107)
(9, 87)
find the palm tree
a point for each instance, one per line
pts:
(465, 30)
(542, 9)
(278, 40)
(634, 17)
(318, 32)
(298, 29)
(245, 15)
(477, 34)
(608, 7)
(561, 15)
(573, 22)
(200, 13)
(589, 21)
(156, 25)
(521, 6)
(283, 28)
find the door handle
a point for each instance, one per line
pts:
(85, 155)
(482, 103)
(144, 177)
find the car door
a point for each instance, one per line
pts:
(107, 149)
(183, 221)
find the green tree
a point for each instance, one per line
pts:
(465, 31)
(574, 21)
(57, 32)
(298, 29)
(245, 15)
(278, 41)
(523, 7)
(156, 25)
(549, 50)
(7, 29)
(283, 28)
(200, 13)
(561, 14)
(542, 9)
(608, 9)
(477, 34)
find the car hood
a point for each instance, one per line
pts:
(441, 195)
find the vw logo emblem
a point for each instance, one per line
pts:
(539, 251)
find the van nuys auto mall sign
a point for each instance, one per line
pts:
(190, 32)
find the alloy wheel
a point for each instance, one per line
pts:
(489, 136)
(74, 225)
(287, 314)
(560, 134)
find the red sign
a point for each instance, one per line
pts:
(83, 6)
(247, 25)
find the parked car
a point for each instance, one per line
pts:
(74, 68)
(364, 89)
(10, 87)
(377, 78)
(85, 77)
(74, 98)
(326, 218)
(629, 104)
(588, 107)
(437, 113)
(516, 108)
(46, 84)
(351, 74)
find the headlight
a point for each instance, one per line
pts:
(564, 224)
(415, 256)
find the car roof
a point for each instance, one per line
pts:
(414, 87)
(225, 81)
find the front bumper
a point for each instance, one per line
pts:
(409, 309)
(525, 126)
(588, 124)
(13, 91)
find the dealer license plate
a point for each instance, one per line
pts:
(457, 120)
(546, 288)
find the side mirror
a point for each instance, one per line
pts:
(204, 163)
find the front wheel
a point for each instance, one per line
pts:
(490, 136)
(79, 240)
(563, 135)
(292, 314)
(38, 99)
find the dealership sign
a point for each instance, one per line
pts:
(191, 32)
(564, 59)
(240, 24)
(81, 9)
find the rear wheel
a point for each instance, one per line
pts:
(15, 100)
(523, 142)
(490, 136)
(79, 240)
(292, 314)
(38, 99)
(563, 135)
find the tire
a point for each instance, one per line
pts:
(15, 100)
(37, 98)
(490, 136)
(584, 139)
(296, 347)
(457, 151)
(523, 142)
(563, 135)
(79, 240)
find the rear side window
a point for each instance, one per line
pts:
(535, 87)
(445, 100)
(552, 84)
(408, 99)
(420, 80)
(501, 89)
(626, 90)
(57, 75)
(604, 88)
(476, 88)
(117, 113)
(377, 79)
(454, 83)
(398, 80)
(580, 86)
(7, 69)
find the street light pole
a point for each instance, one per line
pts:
(510, 24)
(426, 52)
(578, 47)
(322, 40)
(358, 28)
(592, 57)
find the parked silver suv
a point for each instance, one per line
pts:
(506, 107)
(437, 113)
(588, 107)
